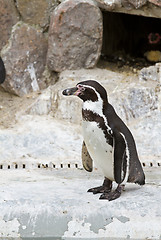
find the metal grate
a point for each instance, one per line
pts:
(5, 166)
(151, 164)
(16, 165)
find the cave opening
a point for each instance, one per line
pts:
(131, 37)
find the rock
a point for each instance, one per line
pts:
(134, 70)
(41, 105)
(155, 2)
(8, 17)
(139, 102)
(127, 5)
(152, 73)
(148, 137)
(158, 65)
(130, 4)
(63, 107)
(36, 12)
(24, 59)
(137, 3)
(147, 9)
(75, 36)
(108, 5)
(40, 138)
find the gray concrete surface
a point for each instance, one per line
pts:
(54, 204)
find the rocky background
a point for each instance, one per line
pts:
(37, 40)
(24, 43)
(48, 45)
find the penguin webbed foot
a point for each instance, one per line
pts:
(113, 194)
(100, 189)
(106, 187)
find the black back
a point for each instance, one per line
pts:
(136, 173)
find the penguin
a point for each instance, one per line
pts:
(107, 141)
(2, 71)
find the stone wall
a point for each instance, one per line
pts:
(24, 43)
(40, 38)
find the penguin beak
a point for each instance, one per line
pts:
(77, 91)
(70, 91)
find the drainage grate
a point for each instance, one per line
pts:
(151, 164)
(4, 166)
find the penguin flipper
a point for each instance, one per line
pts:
(86, 159)
(119, 157)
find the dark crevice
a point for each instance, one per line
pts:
(15, 3)
(128, 36)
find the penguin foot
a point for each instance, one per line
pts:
(100, 189)
(112, 195)
(106, 187)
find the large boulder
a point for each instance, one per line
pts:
(36, 12)
(75, 35)
(24, 59)
(8, 17)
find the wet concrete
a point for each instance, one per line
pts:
(54, 203)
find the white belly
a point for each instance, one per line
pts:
(99, 150)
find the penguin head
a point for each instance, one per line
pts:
(89, 90)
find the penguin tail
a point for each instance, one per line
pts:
(140, 182)
(138, 178)
(136, 174)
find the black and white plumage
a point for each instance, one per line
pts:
(107, 141)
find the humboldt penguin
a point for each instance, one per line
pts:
(107, 141)
(2, 71)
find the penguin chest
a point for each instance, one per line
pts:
(100, 151)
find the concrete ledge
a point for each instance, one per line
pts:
(54, 204)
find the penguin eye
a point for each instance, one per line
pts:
(81, 87)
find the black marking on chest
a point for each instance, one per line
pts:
(94, 117)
